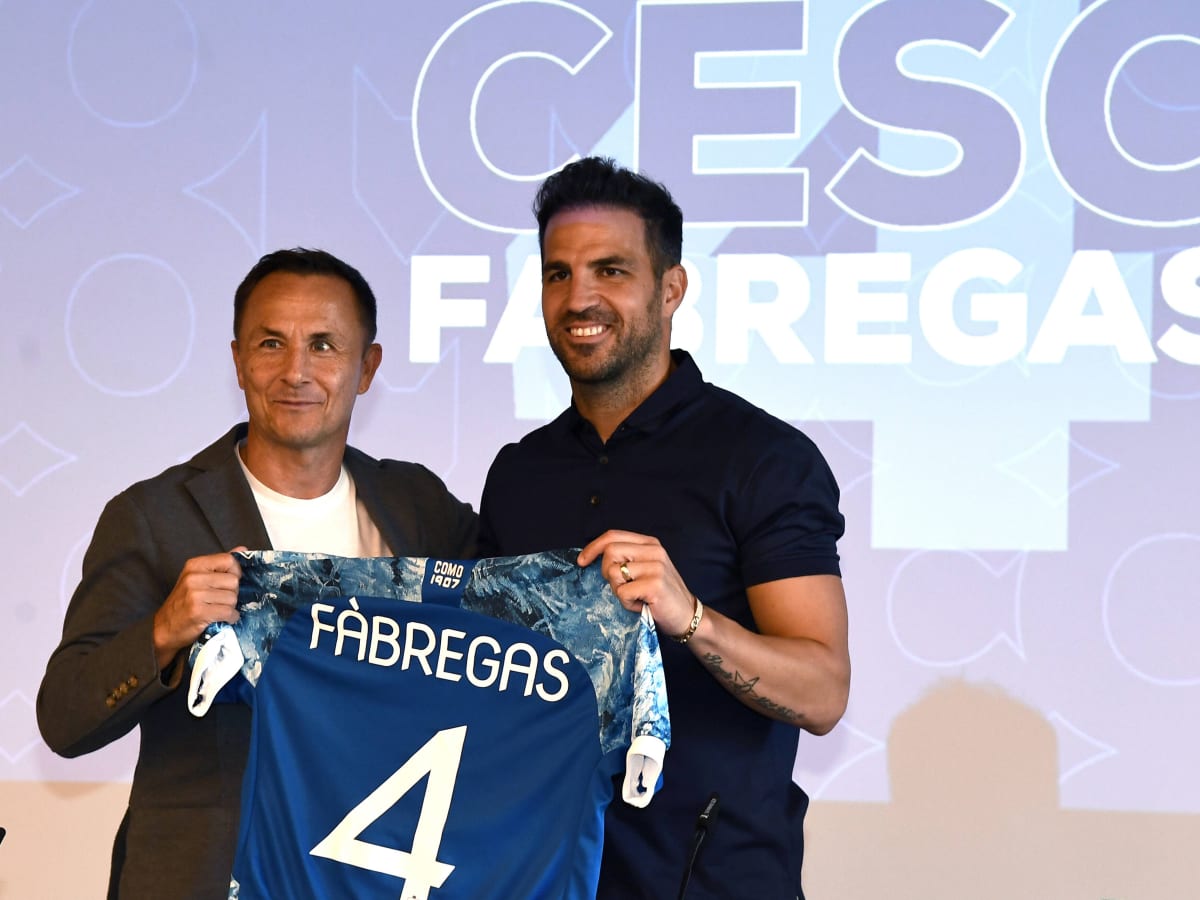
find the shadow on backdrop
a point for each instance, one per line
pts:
(975, 815)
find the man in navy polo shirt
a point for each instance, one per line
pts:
(719, 517)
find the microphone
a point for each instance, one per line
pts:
(705, 823)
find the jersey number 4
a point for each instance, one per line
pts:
(420, 868)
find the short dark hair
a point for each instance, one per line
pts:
(301, 261)
(600, 181)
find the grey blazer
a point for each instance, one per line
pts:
(177, 837)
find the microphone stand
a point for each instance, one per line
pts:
(706, 821)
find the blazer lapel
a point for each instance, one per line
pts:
(223, 495)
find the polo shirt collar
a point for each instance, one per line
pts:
(682, 385)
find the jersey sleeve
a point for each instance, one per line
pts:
(651, 725)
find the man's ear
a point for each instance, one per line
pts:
(674, 286)
(371, 360)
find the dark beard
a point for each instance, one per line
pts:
(626, 358)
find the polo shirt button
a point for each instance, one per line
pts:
(604, 460)
(595, 500)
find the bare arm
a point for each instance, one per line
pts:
(796, 668)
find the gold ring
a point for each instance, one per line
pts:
(625, 573)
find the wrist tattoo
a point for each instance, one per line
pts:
(742, 686)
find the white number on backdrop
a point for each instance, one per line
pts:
(439, 759)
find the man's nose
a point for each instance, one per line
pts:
(581, 294)
(298, 365)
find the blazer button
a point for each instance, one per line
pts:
(110, 701)
(132, 682)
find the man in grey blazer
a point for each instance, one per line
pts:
(159, 567)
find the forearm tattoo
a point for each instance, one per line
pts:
(744, 687)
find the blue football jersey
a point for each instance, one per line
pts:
(460, 745)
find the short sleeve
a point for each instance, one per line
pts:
(785, 510)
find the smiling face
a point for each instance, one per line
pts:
(607, 316)
(302, 358)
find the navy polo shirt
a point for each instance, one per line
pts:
(737, 498)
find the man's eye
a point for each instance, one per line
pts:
(270, 344)
(323, 346)
(555, 276)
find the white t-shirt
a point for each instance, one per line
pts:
(335, 523)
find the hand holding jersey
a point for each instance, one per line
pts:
(205, 592)
(627, 557)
